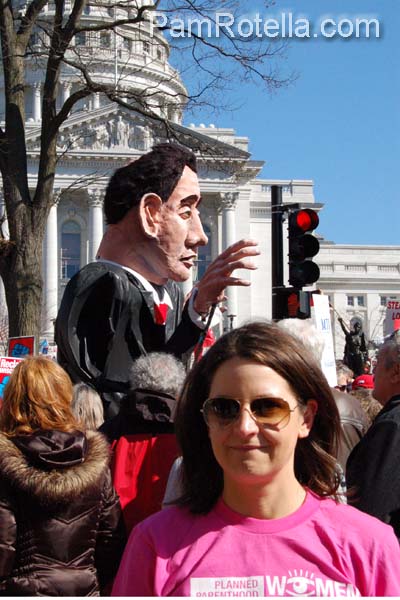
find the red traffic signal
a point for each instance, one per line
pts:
(302, 246)
(303, 220)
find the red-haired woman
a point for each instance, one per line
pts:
(61, 531)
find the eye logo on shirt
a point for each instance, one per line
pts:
(301, 584)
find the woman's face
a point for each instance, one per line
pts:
(248, 452)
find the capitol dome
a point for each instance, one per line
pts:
(130, 57)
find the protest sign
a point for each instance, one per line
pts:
(21, 346)
(322, 321)
(392, 320)
(7, 364)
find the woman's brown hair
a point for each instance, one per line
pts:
(264, 343)
(37, 396)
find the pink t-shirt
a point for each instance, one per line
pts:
(323, 549)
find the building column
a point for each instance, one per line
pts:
(50, 261)
(95, 202)
(227, 206)
(4, 231)
(4, 234)
(175, 115)
(66, 91)
(37, 102)
(96, 101)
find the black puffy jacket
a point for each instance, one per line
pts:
(61, 531)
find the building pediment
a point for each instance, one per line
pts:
(114, 130)
(100, 131)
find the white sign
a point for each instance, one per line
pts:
(322, 321)
(52, 352)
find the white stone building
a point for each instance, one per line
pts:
(100, 136)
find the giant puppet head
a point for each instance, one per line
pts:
(151, 208)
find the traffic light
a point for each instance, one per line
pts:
(302, 246)
(290, 303)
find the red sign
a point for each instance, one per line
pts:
(22, 346)
(7, 364)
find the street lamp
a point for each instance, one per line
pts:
(231, 317)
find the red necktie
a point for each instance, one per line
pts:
(160, 313)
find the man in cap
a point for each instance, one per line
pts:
(365, 382)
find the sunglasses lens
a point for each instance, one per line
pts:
(221, 410)
(270, 411)
(266, 411)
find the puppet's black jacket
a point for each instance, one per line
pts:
(61, 529)
(106, 321)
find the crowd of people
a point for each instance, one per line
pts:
(131, 470)
(255, 501)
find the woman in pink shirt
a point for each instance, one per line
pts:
(258, 515)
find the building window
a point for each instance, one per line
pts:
(361, 300)
(146, 47)
(126, 44)
(204, 255)
(159, 54)
(105, 39)
(384, 300)
(86, 10)
(34, 40)
(350, 300)
(80, 38)
(91, 39)
(70, 249)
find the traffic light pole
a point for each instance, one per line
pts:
(276, 246)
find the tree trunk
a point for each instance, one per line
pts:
(21, 259)
(22, 275)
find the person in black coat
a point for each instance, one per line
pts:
(128, 303)
(373, 471)
(62, 532)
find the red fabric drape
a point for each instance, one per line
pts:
(140, 466)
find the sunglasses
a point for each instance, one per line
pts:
(269, 412)
(341, 388)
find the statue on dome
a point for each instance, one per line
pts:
(122, 132)
(141, 138)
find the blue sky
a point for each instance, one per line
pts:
(339, 124)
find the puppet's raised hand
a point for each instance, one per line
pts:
(210, 288)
